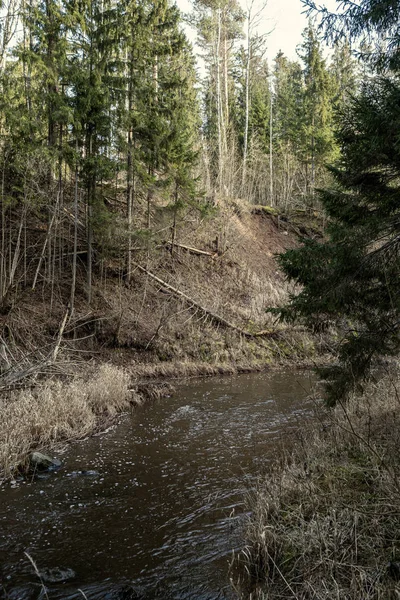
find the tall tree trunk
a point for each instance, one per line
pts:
(173, 236)
(312, 155)
(219, 104)
(91, 190)
(75, 252)
(247, 102)
(271, 164)
(129, 172)
(61, 199)
(51, 86)
(226, 80)
(3, 260)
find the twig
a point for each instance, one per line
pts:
(37, 573)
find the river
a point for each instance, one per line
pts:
(153, 508)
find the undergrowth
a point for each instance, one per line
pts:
(325, 524)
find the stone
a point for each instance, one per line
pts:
(83, 473)
(43, 462)
(56, 575)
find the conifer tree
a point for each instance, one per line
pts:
(288, 100)
(94, 98)
(373, 23)
(352, 279)
(343, 68)
(318, 141)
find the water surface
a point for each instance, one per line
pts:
(163, 508)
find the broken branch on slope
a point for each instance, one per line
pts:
(216, 318)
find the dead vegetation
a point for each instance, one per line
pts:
(325, 523)
(56, 412)
(214, 319)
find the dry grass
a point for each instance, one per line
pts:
(325, 524)
(180, 369)
(55, 412)
(239, 285)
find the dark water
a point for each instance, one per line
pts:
(165, 511)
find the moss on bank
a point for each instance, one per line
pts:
(326, 523)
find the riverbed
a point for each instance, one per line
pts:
(153, 508)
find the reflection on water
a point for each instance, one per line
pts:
(160, 509)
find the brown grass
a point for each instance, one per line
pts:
(325, 524)
(180, 369)
(238, 285)
(56, 412)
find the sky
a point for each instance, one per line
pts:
(285, 20)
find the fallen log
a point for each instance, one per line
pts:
(216, 318)
(192, 250)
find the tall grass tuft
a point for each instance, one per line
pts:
(56, 411)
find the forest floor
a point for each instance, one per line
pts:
(199, 310)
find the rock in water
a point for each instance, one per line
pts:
(83, 473)
(56, 575)
(43, 462)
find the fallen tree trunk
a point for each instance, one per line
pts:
(216, 318)
(192, 250)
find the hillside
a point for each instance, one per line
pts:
(146, 322)
(198, 309)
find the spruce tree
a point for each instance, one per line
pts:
(318, 140)
(344, 71)
(352, 279)
(288, 101)
(373, 23)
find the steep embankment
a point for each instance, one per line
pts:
(194, 310)
(233, 280)
(189, 319)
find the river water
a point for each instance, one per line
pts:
(153, 508)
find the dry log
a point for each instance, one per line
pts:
(216, 318)
(192, 250)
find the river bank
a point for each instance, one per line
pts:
(188, 313)
(325, 521)
(54, 412)
(152, 508)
